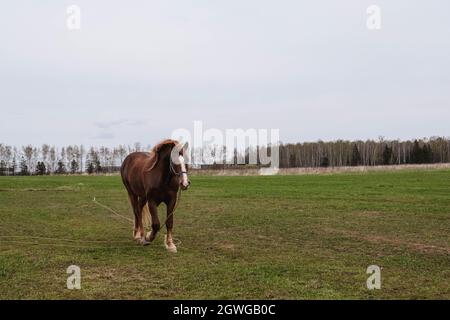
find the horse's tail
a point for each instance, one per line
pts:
(146, 216)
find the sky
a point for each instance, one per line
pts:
(135, 71)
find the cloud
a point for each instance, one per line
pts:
(137, 122)
(104, 136)
(109, 124)
(119, 123)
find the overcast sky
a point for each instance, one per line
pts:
(137, 70)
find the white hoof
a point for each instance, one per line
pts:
(136, 235)
(171, 247)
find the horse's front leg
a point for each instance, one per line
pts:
(170, 245)
(150, 236)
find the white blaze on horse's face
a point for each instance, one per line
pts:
(184, 178)
(176, 157)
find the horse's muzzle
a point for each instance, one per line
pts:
(185, 187)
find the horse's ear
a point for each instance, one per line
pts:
(186, 146)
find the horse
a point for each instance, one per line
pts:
(151, 178)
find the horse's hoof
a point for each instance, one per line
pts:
(171, 248)
(150, 236)
(137, 235)
(144, 242)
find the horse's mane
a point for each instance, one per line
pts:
(162, 144)
(154, 152)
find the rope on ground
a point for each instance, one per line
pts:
(177, 242)
(76, 243)
(61, 239)
(70, 245)
(112, 210)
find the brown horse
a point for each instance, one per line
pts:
(152, 178)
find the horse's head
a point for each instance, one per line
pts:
(174, 153)
(178, 166)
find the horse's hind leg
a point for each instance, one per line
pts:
(134, 204)
(138, 218)
(155, 221)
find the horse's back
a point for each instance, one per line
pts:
(132, 170)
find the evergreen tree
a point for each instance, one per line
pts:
(74, 166)
(61, 168)
(427, 154)
(97, 166)
(40, 168)
(416, 153)
(387, 155)
(356, 157)
(23, 167)
(90, 167)
(324, 162)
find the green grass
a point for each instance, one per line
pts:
(287, 237)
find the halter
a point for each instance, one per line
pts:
(172, 169)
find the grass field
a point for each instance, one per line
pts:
(287, 237)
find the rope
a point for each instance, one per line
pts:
(62, 239)
(112, 210)
(6, 242)
(174, 208)
(75, 242)
(178, 241)
(131, 220)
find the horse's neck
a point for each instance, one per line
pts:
(163, 167)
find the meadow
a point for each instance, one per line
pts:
(242, 237)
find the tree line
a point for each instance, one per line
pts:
(76, 159)
(365, 153)
(73, 159)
